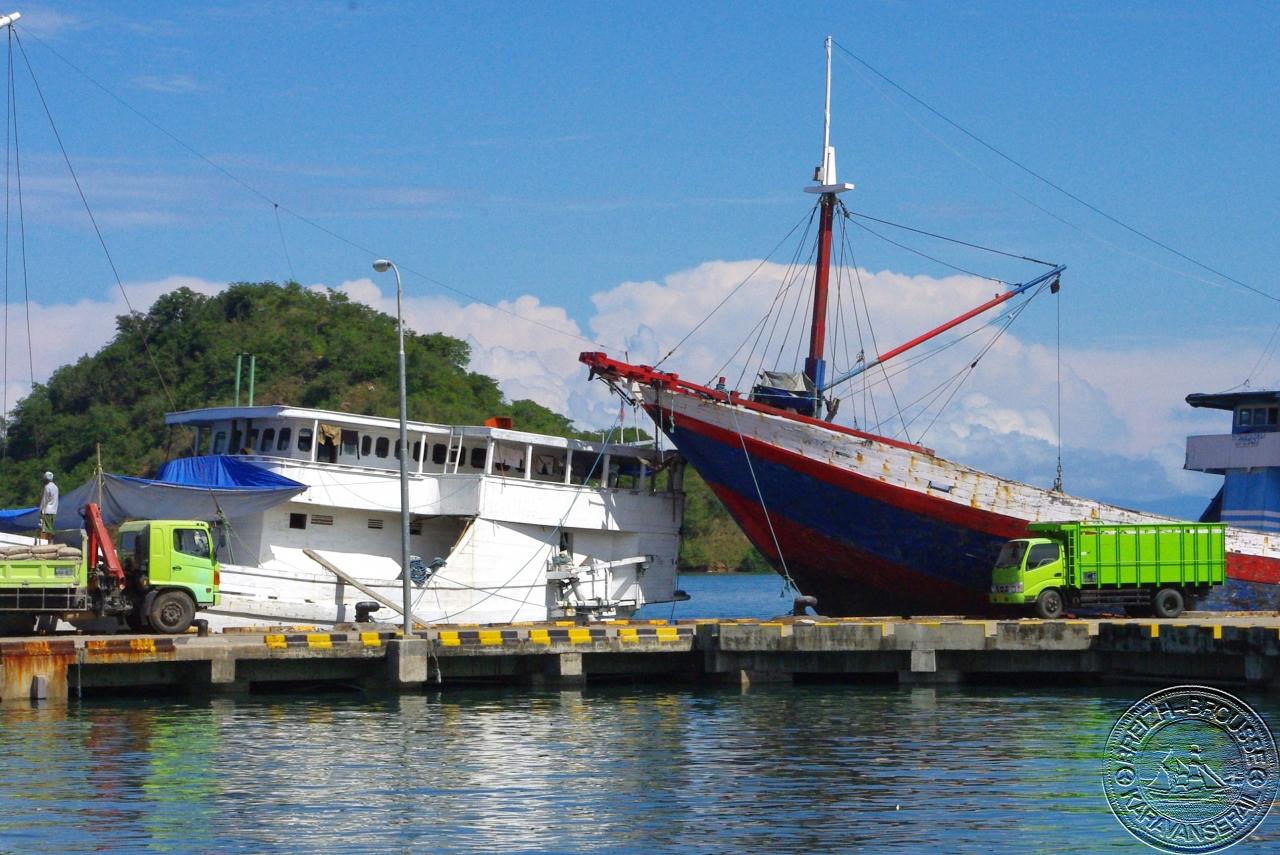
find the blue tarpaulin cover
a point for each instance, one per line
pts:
(195, 488)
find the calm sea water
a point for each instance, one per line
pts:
(605, 769)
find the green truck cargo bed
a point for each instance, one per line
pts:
(1181, 554)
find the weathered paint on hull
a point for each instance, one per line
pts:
(863, 544)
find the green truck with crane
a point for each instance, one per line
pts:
(163, 573)
(1145, 568)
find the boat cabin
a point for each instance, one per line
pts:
(1248, 458)
(292, 435)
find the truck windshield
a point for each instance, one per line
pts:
(1011, 554)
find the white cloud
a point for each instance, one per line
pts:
(1124, 421)
(61, 333)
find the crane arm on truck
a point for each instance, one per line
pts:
(100, 545)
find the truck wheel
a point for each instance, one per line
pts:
(1049, 604)
(1167, 603)
(171, 612)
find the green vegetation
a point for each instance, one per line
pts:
(712, 539)
(314, 349)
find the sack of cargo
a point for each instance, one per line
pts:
(68, 552)
(24, 555)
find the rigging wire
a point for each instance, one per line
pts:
(782, 559)
(926, 255)
(736, 288)
(784, 287)
(1012, 316)
(146, 347)
(249, 188)
(863, 216)
(1095, 209)
(844, 236)
(293, 277)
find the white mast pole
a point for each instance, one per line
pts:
(827, 177)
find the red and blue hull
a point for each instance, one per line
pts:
(846, 533)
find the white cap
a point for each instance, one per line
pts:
(48, 476)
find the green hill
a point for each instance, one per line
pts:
(313, 349)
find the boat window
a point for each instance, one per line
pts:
(383, 446)
(398, 447)
(220, 442)
(477, 458)
(366, 445)
(253, 441)
(268, 439)
(548, 465)
(191, 541)
(453, 454)
(282, 444)
(297, 520)
(236, 436)
(350, 444)
(417, 449)
(1042, 554)
(1011, 554)
(304, 439)
(438, 453)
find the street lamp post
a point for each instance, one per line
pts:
(381, 266)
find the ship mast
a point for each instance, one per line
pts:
(828, 187)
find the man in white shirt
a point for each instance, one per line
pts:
(48, 508)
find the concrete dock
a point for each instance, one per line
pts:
(1240, 649)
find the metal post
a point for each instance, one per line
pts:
(381, 266)
(239, 360)
(253, 370)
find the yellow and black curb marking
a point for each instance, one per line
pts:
(511, 635)
(628, 633)
(325, 640)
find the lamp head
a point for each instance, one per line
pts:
(382, 265)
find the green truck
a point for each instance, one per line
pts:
(1146, 568)
(165, 571)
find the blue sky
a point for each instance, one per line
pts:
(551, 153)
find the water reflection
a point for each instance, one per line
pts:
(788, 768)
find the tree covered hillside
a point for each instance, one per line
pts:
(313, 349)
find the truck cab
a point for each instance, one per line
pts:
(173, 569)
(1024, 568)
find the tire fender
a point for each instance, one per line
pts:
(148, 600)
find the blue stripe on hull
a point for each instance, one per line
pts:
(923, 544)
